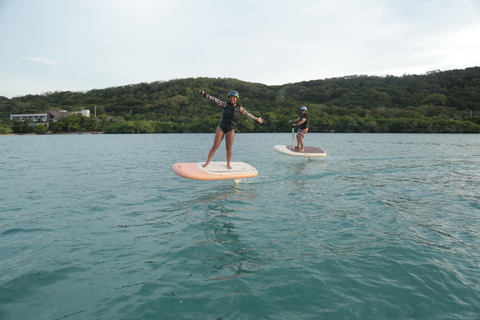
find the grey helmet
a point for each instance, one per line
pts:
(234, 93)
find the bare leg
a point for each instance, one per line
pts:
(229, 137)
(216, 143)
(302, 147)
(297, 148)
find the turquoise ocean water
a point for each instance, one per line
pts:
(387, 226)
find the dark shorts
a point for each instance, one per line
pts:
(226, 129)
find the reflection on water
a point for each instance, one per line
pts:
(223, 249)
(108, 231)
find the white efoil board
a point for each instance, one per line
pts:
(310, 152)
(214, 171)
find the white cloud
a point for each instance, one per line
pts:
(42, 60)
(117, 42)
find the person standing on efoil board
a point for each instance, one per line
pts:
(230, 115)
(302, 122)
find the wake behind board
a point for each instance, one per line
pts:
(310, 152)
(214, 171)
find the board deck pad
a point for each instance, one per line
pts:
(309, 151)
(214, 171)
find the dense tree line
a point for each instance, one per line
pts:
(447, 101)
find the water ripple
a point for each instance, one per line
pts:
(385, 227)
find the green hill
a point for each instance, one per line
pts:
(447, 101)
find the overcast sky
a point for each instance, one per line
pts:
(79, 45)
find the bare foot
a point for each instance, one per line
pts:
(205, 165)
(302, 150)
(229, 166)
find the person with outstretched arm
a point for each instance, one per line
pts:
(231, 112)
(302, 122)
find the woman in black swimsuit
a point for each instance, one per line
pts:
(230, 115)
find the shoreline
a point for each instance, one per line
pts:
(48, 133)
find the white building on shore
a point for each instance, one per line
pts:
(53, 115)
(33, 117)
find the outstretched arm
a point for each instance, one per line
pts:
(219, 102)
(249, 115)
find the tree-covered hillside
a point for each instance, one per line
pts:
(447, 101)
